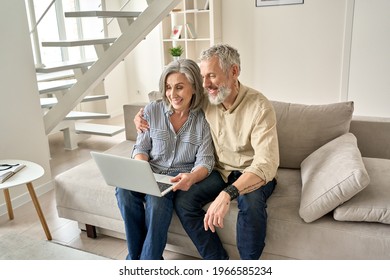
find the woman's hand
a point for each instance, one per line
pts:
(184, 181)
(217, 212)
(140, 123)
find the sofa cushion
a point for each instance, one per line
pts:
(330, 176)
(373, 203)
(83, 188)
(130, 110)
(304, 128)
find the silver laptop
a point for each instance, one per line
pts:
(132, 174)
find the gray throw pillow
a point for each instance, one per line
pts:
(373, 203)
(302, 129)
(330, 176)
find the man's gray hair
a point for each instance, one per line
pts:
(228, 56)
(191, 70)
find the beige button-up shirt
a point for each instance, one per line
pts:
(244, 136)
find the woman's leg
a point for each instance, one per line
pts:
(131, 206)
(157, 220)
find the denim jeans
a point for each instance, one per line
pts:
(147, 219)
(188, 206)
(251, 220)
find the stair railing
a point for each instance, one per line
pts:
(31, 4)
(34, 31)
(125, 43)
(120, 9)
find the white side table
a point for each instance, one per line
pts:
(29, 173)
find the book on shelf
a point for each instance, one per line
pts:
(191, 31)
(176, 32)
(8, 170)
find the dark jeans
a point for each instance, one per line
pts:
(251, 221)
(147, 218)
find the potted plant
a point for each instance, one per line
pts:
(176, 52)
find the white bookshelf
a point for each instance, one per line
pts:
(206, 28)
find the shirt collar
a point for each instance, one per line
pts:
(168, 111)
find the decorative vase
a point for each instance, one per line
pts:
(176, 58)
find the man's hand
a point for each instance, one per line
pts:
(217, 211)
(140, 123)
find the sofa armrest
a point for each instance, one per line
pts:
(129, 112)
(373, 136)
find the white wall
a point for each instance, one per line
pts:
(238, 30)
(369, 80)
(298, 51)
(294, 52)
(138, 74)
(21, 126)
(320, 52)
(144, 66)
(144, 63)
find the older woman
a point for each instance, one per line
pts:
(177, 143)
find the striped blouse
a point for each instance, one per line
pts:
(169, 151)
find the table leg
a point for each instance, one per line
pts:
(39, 210)
(9, 204)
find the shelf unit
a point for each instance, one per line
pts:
(205, 18)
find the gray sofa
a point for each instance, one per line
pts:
(331, 201)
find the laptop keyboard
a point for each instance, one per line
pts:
(163, 186)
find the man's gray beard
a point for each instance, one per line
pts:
(223, 93)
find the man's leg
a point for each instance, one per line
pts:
(252, 222)
(131, 206)
(188, 206)
(158, 218)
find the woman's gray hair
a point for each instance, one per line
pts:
(228, 56)
(191, 70)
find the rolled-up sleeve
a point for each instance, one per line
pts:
(205, 154)
(264, 141)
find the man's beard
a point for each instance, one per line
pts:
(223, 93)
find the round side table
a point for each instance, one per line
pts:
(27, 175)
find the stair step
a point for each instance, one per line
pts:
(89, 98)
(65, 65)
(51, 86)
(45, 77)
(106, 14)
(76, 115)
(48, 102)
(77, 43)
(98, 129)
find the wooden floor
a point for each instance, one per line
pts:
(64, 231)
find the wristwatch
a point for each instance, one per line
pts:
(232, 191)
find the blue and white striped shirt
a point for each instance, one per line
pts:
(169, 151)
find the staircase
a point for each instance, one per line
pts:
(60, 96)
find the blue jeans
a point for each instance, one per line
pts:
(251, 221)
(147, 219)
